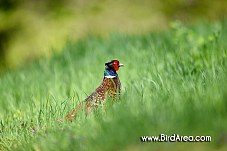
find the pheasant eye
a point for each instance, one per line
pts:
(115, 62)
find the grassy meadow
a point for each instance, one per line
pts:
(173, 82)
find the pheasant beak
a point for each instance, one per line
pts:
(121, 64)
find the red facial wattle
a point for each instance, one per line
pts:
(115, 65)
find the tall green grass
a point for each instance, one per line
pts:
(173, 82)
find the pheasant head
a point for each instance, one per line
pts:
(111, 68)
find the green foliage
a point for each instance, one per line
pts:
(173, 82)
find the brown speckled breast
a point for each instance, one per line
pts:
(110, 87)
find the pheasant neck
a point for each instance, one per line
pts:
(108, 73)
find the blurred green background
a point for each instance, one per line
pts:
(31, 28)
(172, 80)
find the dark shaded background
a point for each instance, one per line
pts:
(31, 28)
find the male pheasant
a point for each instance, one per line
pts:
(110, 88)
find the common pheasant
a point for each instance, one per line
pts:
(110, 88)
